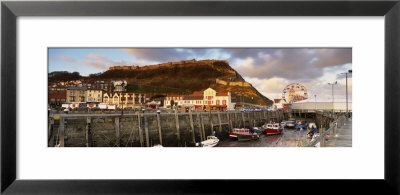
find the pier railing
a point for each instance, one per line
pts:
(331, 131)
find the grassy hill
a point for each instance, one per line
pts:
(184, 78)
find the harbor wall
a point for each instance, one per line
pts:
(149, 129)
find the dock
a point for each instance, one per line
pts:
(343, 137)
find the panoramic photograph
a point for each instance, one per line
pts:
(199, 97)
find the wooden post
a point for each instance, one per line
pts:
(244, 122)
(192, 127)
(117, 130)
(159, 127)
(211, 123)
(61, 133)
(250, 121)
(88, 132)
(146, 130)
(219, 122)
(199, 125)
(229, 121)
(51, 133)
(202, 127)
(178, 135)
(236, 119)
(140, 130)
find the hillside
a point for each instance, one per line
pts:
(184, 77)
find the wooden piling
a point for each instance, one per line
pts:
(249, 119)
(229, 121)
(117, 131)
(244, 122)
(178, 135)
(211, 123)
(159, 128)
(88, 132)
(61, 132)
(146, 131)
(219, 122)
(236, 119)
(50, 133)
(140, 130)
(199, 126)
(192, 127)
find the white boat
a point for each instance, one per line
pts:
(312, 125)
(211, 141)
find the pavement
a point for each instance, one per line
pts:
(343, 137)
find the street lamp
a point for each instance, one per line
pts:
(347, 102)
(333, 104)
(120, 90)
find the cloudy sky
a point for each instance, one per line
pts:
(267, 69)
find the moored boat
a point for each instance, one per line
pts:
(257, 130)
(273, 128)
(243, 134)
(211, 141)
(300, 125)
(291, 123)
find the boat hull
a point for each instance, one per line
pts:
(233, 136)
(273, 131)
(247, 137)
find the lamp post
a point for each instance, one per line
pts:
(333, 102)
(347, 101)
(122, 89)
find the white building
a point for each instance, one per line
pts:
(207, 99)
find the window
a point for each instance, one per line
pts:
(224, 102)
(217, 102)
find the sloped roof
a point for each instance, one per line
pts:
(222, 94)
(197, 93)
(193, 97)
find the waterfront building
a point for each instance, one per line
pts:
(175, 98)
(124, 100)
(94, 95)
(76, 94)
(208, 99)
(57, 95)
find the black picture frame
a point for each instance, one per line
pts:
(11, 10)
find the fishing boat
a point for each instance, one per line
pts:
(211, 141)
(311, 125)
(291, 123)
(300, 125)
(273, 128)
(283, 123)
(257, 130)
(243, 134)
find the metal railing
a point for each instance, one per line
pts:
(331, 131)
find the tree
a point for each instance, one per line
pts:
(172, 103)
